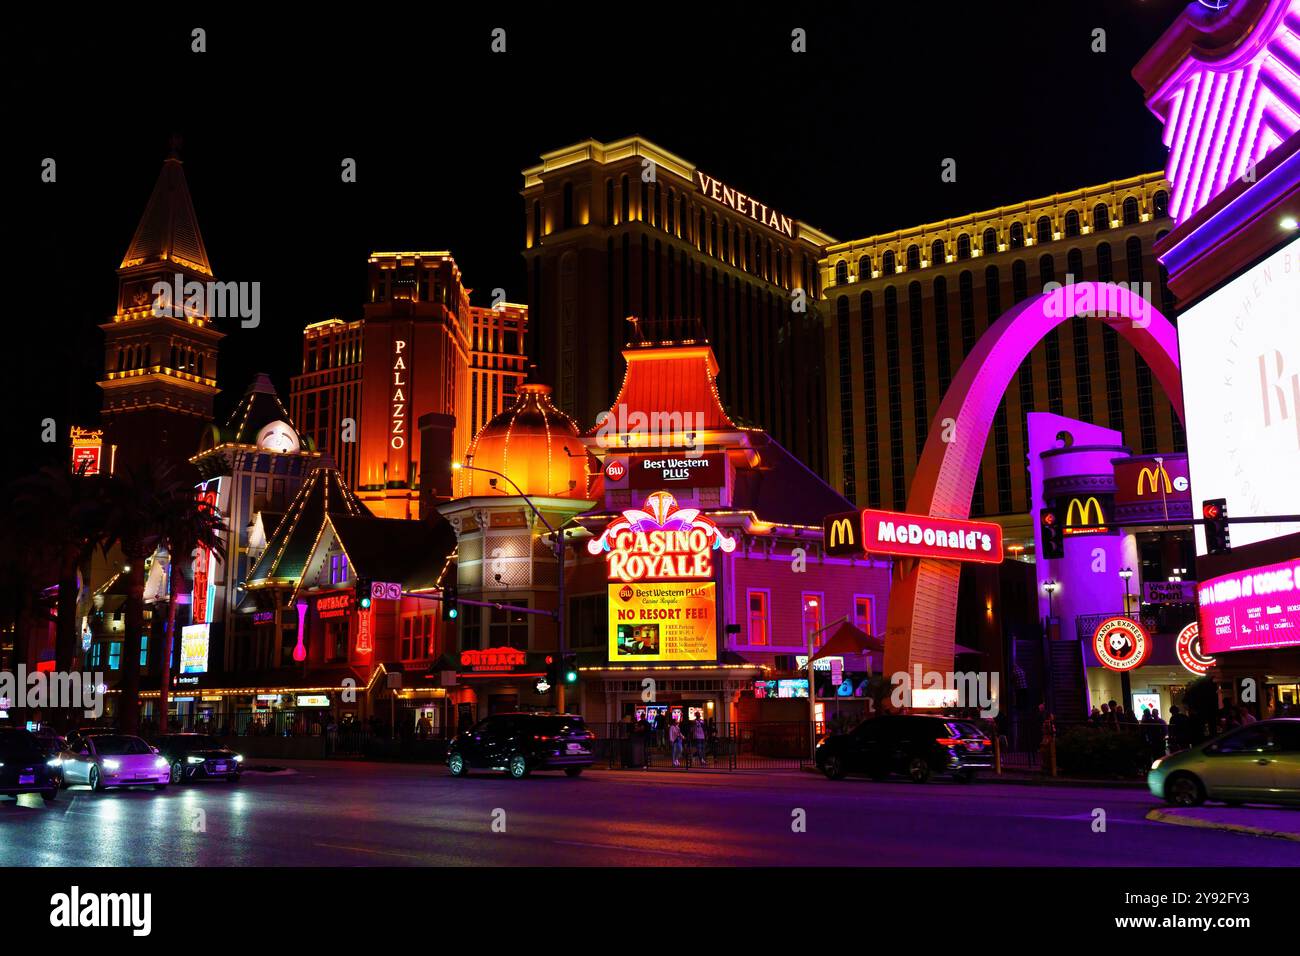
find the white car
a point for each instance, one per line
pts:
(114, 760)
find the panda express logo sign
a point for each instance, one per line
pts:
(1121, 644)
(660, 542)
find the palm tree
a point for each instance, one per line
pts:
(136, 499)
(60, 516)
(186, 525)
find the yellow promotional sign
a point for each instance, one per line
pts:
(662, 621)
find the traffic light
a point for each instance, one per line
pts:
(363, 592)
(1215, 513)
(1053, 534)
(450, 603)
(569, 669)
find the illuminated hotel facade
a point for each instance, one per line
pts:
(498, 361)
(365, 384)
(904, 308)
(622, 229)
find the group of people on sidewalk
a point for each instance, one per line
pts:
(693, 737)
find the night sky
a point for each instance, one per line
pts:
(848, 137)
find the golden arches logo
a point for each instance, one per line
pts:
(1086, 510)
(841, 533)
(1154, 477)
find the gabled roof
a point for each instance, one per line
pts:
(169, 230)
(323, 493)
(780, 489)
(393, 549)
(669, 375)
(259, 407)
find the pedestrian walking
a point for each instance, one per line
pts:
(700, 734)
(675, 738)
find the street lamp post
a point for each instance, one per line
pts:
(1126, 574)
(558, 536)
(1050, 587)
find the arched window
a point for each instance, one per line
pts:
(1160, 204)
(568, 206)
(1017, 235)
(1131, 211)
(1019, 281)
(864, 268)
(672, 209)
(938, 253)
(1071, 224)
(990, 241)
(1046, 270)
(1133, 255)
(537, 221)
(1100, 217)
(913, 258)
(609, 202)
(841, 273)
(1074, 264)
(627, 199)
(1043, 229)
(963, 246)
(887, 263)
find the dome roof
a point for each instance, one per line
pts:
(528, 443)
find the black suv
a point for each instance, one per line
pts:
(25, 767)
(198, 756)
(913, 744)
(522, 743)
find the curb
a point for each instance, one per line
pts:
(1034, 780)
(1166, 816)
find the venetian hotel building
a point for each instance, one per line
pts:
(904, 308)
(627, 228)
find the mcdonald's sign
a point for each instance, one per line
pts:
(842, 533)
(1086, 515)
(1159, 479)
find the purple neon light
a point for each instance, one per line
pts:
(1222, 116)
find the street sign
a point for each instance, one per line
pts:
(386, 590)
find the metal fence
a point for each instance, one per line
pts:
(748, 746)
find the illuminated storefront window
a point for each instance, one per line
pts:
(759, 618)
(812, 615)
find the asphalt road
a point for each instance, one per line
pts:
(365, 814)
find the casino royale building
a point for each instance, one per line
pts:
(694, 562)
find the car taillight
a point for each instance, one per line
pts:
(541, 737)
(947, 741)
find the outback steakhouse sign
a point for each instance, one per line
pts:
(496, 660)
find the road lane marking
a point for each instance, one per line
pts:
(630, 849)
(363, 849)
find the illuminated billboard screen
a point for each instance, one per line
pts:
(662, 621)
(194, 649)
(1240, 355)
(1256, 608)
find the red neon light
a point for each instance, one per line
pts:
(926, 536)
(660, 542)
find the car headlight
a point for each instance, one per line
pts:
(239, 758)
(1157, 762)
(194, 760)
(112, 764)
(52, 762)
(160, 762)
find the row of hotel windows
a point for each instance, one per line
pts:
(673, 213)
(966, 301)
(759, 633)
(331, 352)
(989, 243)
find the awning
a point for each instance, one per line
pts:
(850, 640)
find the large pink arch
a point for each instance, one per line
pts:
(923, 598)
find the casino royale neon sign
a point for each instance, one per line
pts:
(662, 541)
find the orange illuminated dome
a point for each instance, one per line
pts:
(532, 443)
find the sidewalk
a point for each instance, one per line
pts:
(1282, 824)
(1033, 778)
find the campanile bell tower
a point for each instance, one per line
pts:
(160, 364)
